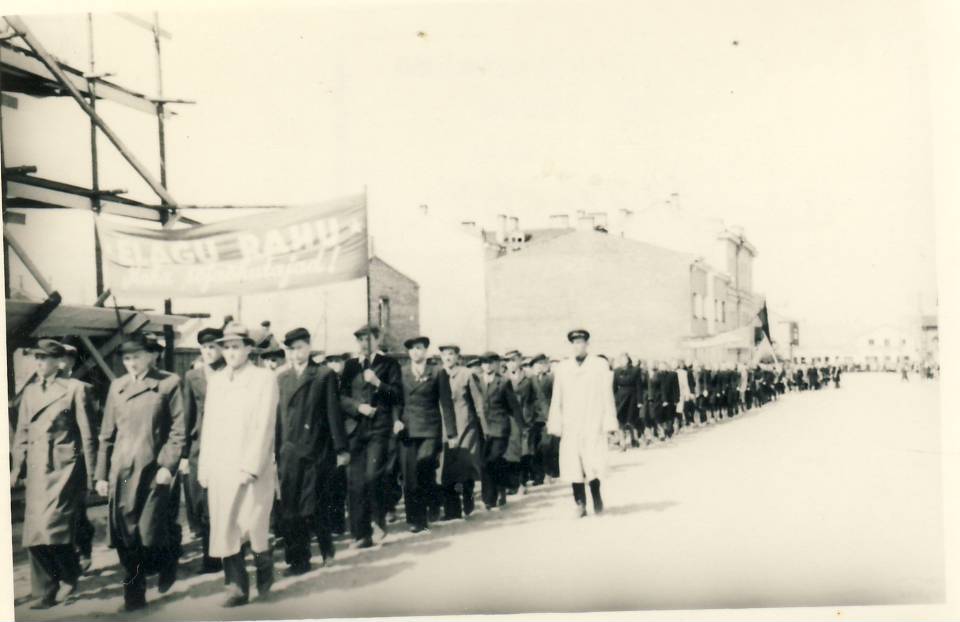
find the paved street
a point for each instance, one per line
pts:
(830, 497)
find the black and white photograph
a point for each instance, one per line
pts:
(452, 308)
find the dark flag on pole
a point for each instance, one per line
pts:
(764, 321)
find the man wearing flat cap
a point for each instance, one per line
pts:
(335, 511)
(582, 413)
(371, 394)
(54, 449)
(237, 464)
(426, 413)
(141, 444)
(194, 395)
(538, 444)
(500, 406)
(311, 444)
(521, 387)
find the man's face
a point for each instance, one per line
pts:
(336, 366)
(235, 353)
(46, 364)
(579, 347)
(513, 365)
(540, 367)
(210, 353)
(449, 358)
(138, 362)
(418, 353)
(368, 344)
(272, 362)
(489, 367)
(300, 352)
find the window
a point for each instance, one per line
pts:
(716, 310)
(695, 304)
(383, 312)
(871, 342)
(723, 311)
(886, 343)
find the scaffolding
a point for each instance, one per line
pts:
(28, 68)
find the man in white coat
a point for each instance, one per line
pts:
(236, 464)
(582, 413)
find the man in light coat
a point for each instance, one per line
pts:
(236, 464)
(52, 447)
(582, 413)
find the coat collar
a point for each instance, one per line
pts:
(56, 388)
(132, 387)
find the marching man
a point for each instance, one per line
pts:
(582, 412)
(236, 464)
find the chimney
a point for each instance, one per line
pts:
(584, 222)
(561, 221)
(501, 227)
(424, 208)
(514, 223)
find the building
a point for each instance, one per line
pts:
(929, 341)
(884, 348)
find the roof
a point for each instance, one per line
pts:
(84, 320)
(530, 236)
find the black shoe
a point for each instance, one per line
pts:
(295, 570)
(44, 603)
(598, 506)
(134, 605)
(581, 510)
(210, 565)
(468, 506)
(502, 498)
(433, 515)
(363, 543)
(449, 517)
(168, 576)
(236, 600)
(419, 528)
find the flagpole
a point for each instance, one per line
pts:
(366, 217)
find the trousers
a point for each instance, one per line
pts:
(49, 565)
(419, 466)
(495, 470)
(365, 484)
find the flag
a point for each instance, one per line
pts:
(764, 321)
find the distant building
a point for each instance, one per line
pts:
(929, 340)
(884, 348)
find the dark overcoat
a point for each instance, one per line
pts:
(310, 434)
(52, 447)
(500, 405)
(144, 428)
(426, 407)
(625, 382)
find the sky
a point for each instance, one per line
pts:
(807, 124)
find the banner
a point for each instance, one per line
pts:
(283, 249)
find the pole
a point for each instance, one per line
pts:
(11, 377)
(366, 217)
(94, 165)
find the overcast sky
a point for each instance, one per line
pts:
(807, 123)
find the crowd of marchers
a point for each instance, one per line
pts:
(278, 448)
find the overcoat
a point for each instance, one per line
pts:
(238, 437)
(310, 434)
(386, 398)
(143, 429)
(500, 405)
(582, 411)
(53, 445)
(463, 462)
(194, 395)
(625, 381)
(518, 427)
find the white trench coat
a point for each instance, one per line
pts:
(239, 421)
(582, 411)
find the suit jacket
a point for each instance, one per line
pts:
(668, 386)
(427, 404)
(500, 404)
(194, 395)
(542, 389)
(143, 429)
(387, 398)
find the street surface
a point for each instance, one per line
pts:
(829, 497)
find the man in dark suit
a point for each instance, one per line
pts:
(311, 443)
(500, 407)
(371, 393)
(668, 394)
(541, 384)
(427, 410)
(336, 510)
(194, 394)
(141, 443)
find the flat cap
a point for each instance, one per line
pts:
(234, 331)
(48, 347)
(363, 331)
(417, 341)
(452, 347)
(488, 357)
(578, 333)
(297, 334)
(513, 354)
(207, 335)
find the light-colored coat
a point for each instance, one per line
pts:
(238, 437)
(582, 411)
(54, 448)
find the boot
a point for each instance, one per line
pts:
(597, 499)
(263, 562)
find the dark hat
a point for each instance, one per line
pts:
(424, 341)
(526, 363)
(538, 358)
(512, 354)
(604, 357)
(297, 334)
(273, 353)
(136, 343)
(234, 331)
(153, 343)
(473, 363)
(363, 331)
(489, 357)
(48, 347)
(334, 358)
(455, 348)
(578, 334)
(69, 350)
(206, 335)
